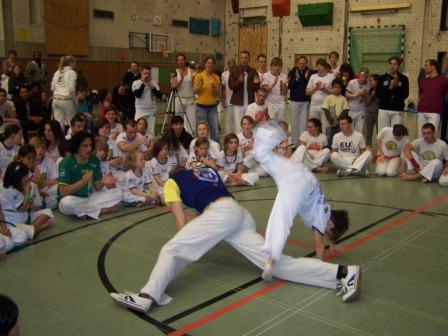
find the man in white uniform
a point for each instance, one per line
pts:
(349, 152)
(146, 90)
(222, 218)
(357, 89)
(424, 158)
(182, 81)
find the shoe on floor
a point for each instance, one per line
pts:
(351, 284)
(132, 301)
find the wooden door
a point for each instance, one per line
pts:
(253, 38)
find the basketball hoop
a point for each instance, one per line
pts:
(165, 52)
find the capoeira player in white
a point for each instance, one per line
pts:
(390, 143)
(222, 218)
(349, 152)
(424, 158)
(298, 193)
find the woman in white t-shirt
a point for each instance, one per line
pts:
(390, 143)
(312, 151)
(203, 131)
(63, 86)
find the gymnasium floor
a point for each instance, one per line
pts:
(61, 281)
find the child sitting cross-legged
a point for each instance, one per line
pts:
(230, 164)
(138, 188)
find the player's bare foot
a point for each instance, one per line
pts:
(425, 180)
(409, 177)
(268, 268)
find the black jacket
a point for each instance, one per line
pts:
(392, 99)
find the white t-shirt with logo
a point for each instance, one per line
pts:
(314, 144)
(318, 97)
(6, 156)
(430, 151)
(349, 146)
(357, 104)
(161, 169)
(213, 149)
(229, 162)
(389, 144)
(123, 138)
(275, 96)
(139, 182)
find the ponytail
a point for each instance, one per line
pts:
(66, 61)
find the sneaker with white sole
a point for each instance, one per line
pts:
(350, 287)
(132, 301)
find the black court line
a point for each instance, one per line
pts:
(163, 327)
(235, 290)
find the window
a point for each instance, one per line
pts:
(444, 16)
(103, 14)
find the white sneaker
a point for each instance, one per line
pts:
(351, 284)
(132, 301)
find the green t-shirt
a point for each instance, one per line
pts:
(70, 172)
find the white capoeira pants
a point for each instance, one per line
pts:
(431, 170)
(226, 220)
(277, 111)
(359, 118)
(389, 118)
(129, 197)
(318, 113)
(252, 165)
(150, 117)
(64, 110)
(301, 155)
(230, 119)
(433, 118)
(299, 118)
(250, 178)
(186, 108)
(346, 162)
(90, 206)
(238, 113)
(15, 217)
(51, 199)
(388, 167)
(20, 234)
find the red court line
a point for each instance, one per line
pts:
(350, 246)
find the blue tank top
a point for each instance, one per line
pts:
(199, 187)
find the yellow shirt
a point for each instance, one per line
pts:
(335, 104)
(206, 95)
(171, 192)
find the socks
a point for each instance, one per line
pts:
(342, 272)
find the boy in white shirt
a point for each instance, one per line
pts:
(319, 87)
(356, 90)
(390, 143)
(276, 83)
(349, 152)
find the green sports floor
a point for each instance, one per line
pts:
(398, 234)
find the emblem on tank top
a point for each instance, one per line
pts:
(206, 174)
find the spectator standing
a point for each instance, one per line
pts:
(184, 103)
(356, 92)
(36, 72)
(298, 79)
(63, 86)
(208, 88)
(130, 77)
(432, 92)
(318, 88)
(16, 81)
(226, 93)
(146, 90)
(9, 62)
(244, 82)
(392, 90)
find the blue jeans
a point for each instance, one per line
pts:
(209, 115)
(330, 132)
